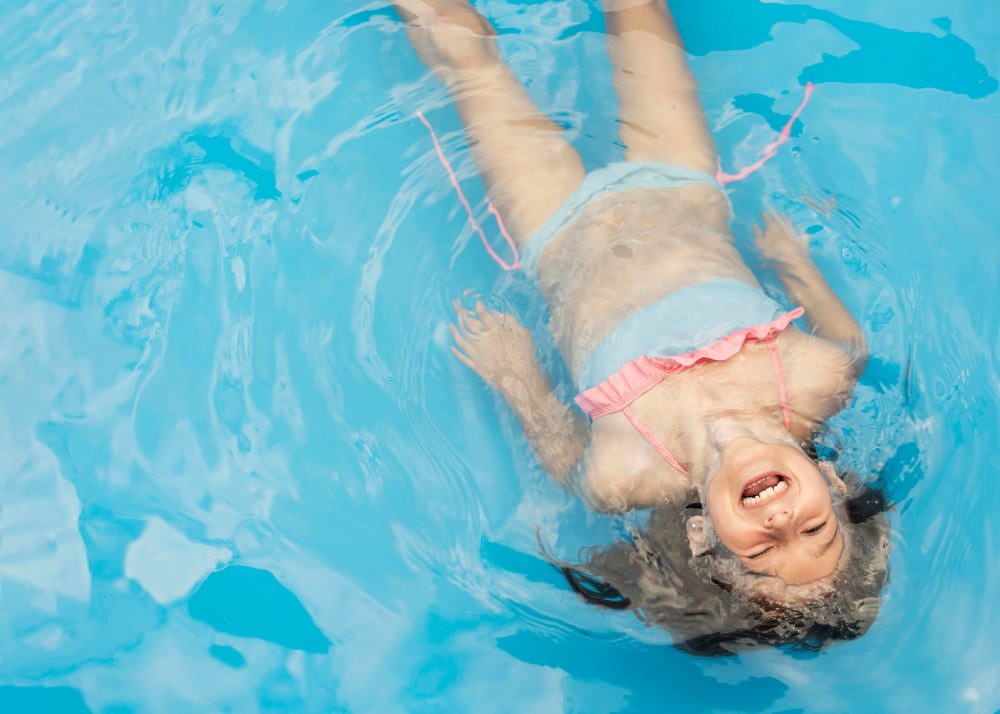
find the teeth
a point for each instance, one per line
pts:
(767, 493)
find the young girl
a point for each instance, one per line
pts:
(697, 385)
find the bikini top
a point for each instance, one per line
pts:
(709, 314)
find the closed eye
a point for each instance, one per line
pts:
(758, 555)
(817, 529)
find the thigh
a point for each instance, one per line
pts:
(661, 116)
(529, 168)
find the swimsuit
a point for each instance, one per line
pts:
(613, 178)
(709, 321)
(706, 322)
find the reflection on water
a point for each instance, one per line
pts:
(241, 470)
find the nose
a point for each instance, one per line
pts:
(778, 519)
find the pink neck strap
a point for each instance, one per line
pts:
(662, 449)
(779, 376)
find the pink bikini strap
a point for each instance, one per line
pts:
(663, 451)
(780, 377)
(652, 440)
(770, 150)
(468, 209)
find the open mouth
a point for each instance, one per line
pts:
(763, 490)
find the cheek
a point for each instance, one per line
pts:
(817, 502)
(732, 531)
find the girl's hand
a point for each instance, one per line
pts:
(779, 243)
(494, 344)
(826, 314)
(501, 351)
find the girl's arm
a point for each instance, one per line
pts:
(620, 474)
(500, 350)
(779, 243)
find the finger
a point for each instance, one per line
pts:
(486, 314)
(495, 319)
(782, 221)
(490, 318)
(470, 324)
(460, 339)
(773, 215)
(460, 310)
(464, 359)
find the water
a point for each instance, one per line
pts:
(240, 470)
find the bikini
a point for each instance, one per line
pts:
(705, 325)
(709, 321)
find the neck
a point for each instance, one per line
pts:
(720, 433)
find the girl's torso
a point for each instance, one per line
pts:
(630, 249)
(626, 251)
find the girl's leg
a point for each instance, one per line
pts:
(528, 167)
(661, 116)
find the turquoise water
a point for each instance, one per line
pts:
(240, 470)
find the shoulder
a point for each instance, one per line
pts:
(622, 472)
(820, 374)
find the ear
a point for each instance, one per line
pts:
(826, 468)
(697, 537)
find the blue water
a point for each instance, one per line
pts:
(240, 471)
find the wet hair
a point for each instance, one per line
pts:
(712, 605)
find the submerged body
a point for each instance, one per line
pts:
(631, 250)
(648, 258)
(627, 250)
(613, 253)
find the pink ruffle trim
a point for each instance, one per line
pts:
(640, 375)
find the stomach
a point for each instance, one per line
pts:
(626, 251)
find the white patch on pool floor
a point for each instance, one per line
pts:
(40, 543)
(167, 564)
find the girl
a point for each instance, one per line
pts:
(698, 387)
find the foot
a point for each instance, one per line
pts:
(449, 35)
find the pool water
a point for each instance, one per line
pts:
(241, 471)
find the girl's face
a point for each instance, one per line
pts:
(771, 506)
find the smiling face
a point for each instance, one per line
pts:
(771, 506)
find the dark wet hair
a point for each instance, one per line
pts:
(705, 601)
